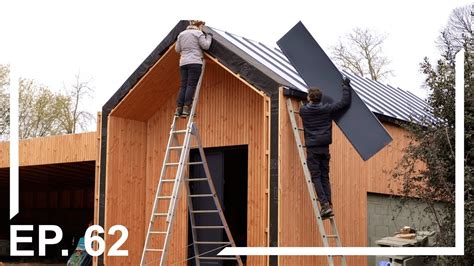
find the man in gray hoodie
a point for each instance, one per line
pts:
(190, 44)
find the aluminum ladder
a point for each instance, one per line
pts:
(312, 192)
(170, 200)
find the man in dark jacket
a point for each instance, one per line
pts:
(317, 124)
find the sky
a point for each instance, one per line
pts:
(105, 41)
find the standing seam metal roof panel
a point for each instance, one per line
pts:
(378, 95)
(380, 98)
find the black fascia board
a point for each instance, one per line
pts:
(294, 93)
(242, 64)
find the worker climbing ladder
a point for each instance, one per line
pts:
(162, 197)
(312, 192)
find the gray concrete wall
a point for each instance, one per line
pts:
(386, 215)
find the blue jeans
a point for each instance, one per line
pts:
(318, 164)
(189, 79)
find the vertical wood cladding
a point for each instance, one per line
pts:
(125, 187)
(351, 178)
(52, 150)
(229, 113)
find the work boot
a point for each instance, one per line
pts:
(186, 110)
(179, 110)
(326, 211)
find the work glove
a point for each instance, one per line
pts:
(346, 81)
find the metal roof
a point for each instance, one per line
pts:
(380, 98)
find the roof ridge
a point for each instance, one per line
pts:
(243, 37)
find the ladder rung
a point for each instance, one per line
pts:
(164, 197)
(210, 242)
(176, 147)
(200, 195)
(300, 145)
(208, 227)
(154, 250)
(196, 179)
(156, 213)
(195, 163)
(217, 258)
(205, 211)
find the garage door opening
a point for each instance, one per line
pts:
(52, 194)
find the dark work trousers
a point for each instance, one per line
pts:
(189, 79)
(318, 164)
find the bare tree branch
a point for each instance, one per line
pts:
(360, 52)
(4, 101)
(457, 32)
(43, 112)
(74, 117)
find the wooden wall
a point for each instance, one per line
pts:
(125, 186)
(51, 150)
(56, 183)
(229, 113)
(351, 179)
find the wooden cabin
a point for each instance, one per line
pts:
(245, 128)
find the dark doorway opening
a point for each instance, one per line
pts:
(229, 172)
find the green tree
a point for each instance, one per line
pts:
(432, 141)
(39, 110)
(469, 150)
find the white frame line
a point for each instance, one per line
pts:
(14, 160)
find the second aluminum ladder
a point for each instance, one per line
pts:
(312, 192)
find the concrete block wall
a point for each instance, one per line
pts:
(386, 215)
